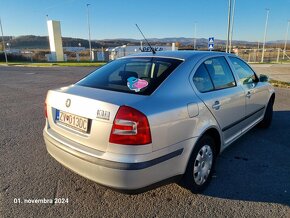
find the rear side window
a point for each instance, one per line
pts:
(214, 74)
(220, 73)
(139, 75)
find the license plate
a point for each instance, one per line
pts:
(73, 121)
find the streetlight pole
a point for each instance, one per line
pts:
(229, 24)
(286, 38)
(3, 42)
(232, 26)
(8, 45)
(265, 35)
(89, 29)
(194, 42)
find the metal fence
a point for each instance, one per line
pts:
(270, 55)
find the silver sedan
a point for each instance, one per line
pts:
(148, 118)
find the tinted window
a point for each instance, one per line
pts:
(244, 72)
(202, 80)
(220, 73)
(130, 75)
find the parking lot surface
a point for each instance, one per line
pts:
(252, 177)
(280, 72)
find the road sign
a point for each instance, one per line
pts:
(210, 43)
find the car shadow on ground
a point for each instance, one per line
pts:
(257, 166)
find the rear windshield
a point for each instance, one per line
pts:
(133, 75)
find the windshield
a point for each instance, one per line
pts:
(141, 75)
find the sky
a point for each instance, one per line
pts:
(111, 19)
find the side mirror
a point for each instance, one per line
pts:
(263, 78)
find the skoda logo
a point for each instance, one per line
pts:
(67, 102)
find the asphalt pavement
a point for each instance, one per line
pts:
(280, 72)
(252, 177)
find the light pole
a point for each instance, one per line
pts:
(8, 45)
(265, 35)
(89, 29)
(194, 42)
(124, 49)
(3, 42)
(232, 26)
(286, 38)
(78, 52)
(229, 24)
(258, 49)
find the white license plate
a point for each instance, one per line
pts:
(73, 121)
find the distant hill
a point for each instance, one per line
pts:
(29, 41)
(41, 42)
(183, 41)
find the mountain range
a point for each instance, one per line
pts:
(41, 42)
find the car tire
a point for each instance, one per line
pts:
(267, 120)
(200, 166)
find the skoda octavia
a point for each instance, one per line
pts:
(146, 118)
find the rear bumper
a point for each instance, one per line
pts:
(121, 175)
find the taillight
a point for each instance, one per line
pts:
(130, 127)
(45, 109)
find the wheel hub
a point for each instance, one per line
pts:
(202, 164)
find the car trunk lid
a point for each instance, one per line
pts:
(69, 106)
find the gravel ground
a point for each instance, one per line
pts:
(252, 177)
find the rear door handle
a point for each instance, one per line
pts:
(216, 105)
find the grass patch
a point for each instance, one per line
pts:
(57, 64)
(280, 84)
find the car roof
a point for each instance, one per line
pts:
(184, 55)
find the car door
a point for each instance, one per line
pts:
(217, 88)
(256, 93)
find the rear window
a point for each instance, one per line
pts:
(132, 75)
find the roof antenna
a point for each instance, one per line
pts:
(153, 51)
